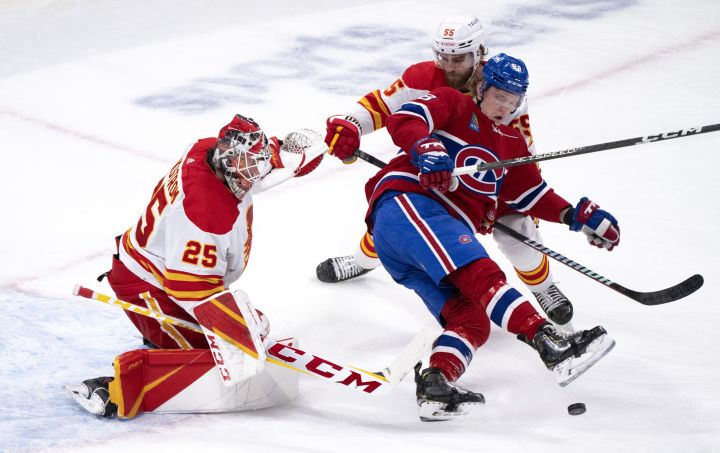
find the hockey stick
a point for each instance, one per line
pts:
(663, 296)
(301, 361)
(483, 166)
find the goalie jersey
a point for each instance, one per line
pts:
(194, 238)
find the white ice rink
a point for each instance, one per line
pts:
(99, 98)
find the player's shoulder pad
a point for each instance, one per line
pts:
(423, 76)
(208, 203)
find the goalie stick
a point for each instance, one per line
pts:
(663, 296)
(302, 361)
(484, 166)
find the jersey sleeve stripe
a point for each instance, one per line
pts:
(418, 110)
(376, 106)
(528, 199)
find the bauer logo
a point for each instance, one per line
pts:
(465, 239)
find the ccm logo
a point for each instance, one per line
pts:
(218, 358)
(320, 367)
(666, 135)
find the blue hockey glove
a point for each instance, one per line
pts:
(434, 163)
(600, 226)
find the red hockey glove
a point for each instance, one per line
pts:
(431, 158)
(600, 226)
(343, 137)
(488, 221)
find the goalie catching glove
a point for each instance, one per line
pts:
(600, 227)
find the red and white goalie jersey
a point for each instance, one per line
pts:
(194, 238)
(373, 109)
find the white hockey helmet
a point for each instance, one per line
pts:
(242, 154)
(458, 35)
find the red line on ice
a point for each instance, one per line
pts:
(82, 136)
(663, 53)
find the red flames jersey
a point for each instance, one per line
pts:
(193, 239)
(470, 137)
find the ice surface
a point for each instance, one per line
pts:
(99, 98)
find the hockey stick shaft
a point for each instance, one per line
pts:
(483, 166)
(662, 296)
(298, 360)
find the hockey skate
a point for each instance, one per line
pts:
(557, 307)
(441, 400)
(339, 269)
(94, 396)
(570, 355)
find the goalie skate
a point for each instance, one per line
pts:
(93, 395)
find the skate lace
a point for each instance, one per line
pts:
(550, 299)
(345, 267)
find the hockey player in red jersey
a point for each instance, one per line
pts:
(424, 222)
(459, 56)
(190, 244)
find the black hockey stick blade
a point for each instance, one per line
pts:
(663, 296)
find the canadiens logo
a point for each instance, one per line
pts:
(465, 239)
(484, 182)
(474, 124)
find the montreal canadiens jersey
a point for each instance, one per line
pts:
(470, 138)
(373, 109)
(194, 238)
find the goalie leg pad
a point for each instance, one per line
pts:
(233, 330)
(184, 381)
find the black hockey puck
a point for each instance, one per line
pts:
(576, 409)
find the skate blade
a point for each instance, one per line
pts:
(431, 411)
(93, 405)
(572, 368)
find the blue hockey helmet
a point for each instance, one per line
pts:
(506, 73)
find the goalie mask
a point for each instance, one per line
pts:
(242, 154)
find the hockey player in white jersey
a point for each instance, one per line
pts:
(191, 243)
(459, 57)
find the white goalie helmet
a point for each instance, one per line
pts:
(457, 35)
(242, 154)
